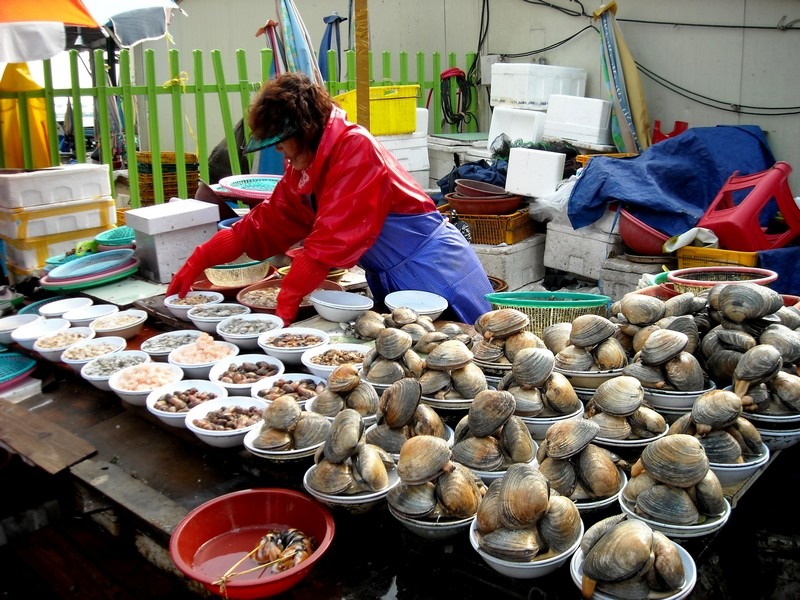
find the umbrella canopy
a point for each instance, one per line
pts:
(630, 123)
(38, 30)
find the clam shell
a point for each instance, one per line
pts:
(403, 315)
(423, 458)
(385, 371)
(458, 492)
(282, 413)
(597, 472)
(392, 343)
(517, 341)
(620, 553)
(715, 409)
(516, 442)
(721, 447)
(433, 381)
(489, 411)
(532, 366)
(676, 459)
(363, 399)
(610, 354)
(559, 395)
(330, 477)
(663, 345)
(682, 304)
(742, 301)
(346, 431)
(556, 336)
(414, 501)
(479, 453)
(429, 341)
(786, 340)
(519, 545)
(560, 526)
(389, 438)
(619, 396)
(566, 438)
(524, 496)
(311, 429)
(344, 378)
(369, 467)
(450, 354)
(667, 504)
(369, 324)
(426, 421)
(399, 401)
(589, 330)
(685, 373)
(640, 309)
(469, 380)
(502, 322)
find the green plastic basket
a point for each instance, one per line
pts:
(119, 236)
(548, 308)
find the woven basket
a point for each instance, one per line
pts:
(238, 274)
(548, 308)
(700, 279)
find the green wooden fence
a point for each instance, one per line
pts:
(233, 99)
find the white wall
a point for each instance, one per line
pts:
(739, 66)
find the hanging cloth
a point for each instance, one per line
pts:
(332, 22)
(17, 78)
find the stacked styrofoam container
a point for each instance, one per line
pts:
(577, 119)
(529, 85)
(46, 212)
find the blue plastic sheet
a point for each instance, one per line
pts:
(671, 184)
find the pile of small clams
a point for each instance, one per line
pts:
(671, 482)
(346, 389)
(490, 437)
(370, 323)
(717, 422)
(593, 345)
(431, 485)
(401, 416)
(520, 518)
(345, 463)
(287, 427)
(538, 390)
(664, 360)
(759, 378)
(501, 335)
(625, 558)
(617, 408)
(575, 467)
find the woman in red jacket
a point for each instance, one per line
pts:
(350, 202)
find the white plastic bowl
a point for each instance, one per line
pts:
(157, 373)
(353, 503)
(108, 365)
(80, 353)
(27, 335)
(9, 324)
(117, 324)
(82, 317)
(200, 370)
(290, 356)
(180, 310)
(425, 303)
(432, 529)
(340, 307)
(672, 399)
(59, 307)
(307, 358)
(44, 344)
(199, 315)
(178, 417)
(523, 570)
(538, 426)
(734, 474)
(228, 438)
(779, 439)
(258, 322)
(266, 384)
(159, 346)
(242, 389)
(707, 527)
(689, 569)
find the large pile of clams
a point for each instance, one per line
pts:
(625, 558)
(287, 427)
(617, 408)
(345, 389)
(519, 519)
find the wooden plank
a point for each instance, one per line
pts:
(131, 494)
(39, 440)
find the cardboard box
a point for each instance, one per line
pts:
(580, 251)
(168, 233)
(518, 264)
(52, 219)
(534, 173)
(528, 85)
(20, 188)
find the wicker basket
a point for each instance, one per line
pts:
(700, 279)
(238, 274)
(548, 308)
(497, 229)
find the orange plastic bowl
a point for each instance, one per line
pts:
(214, 536)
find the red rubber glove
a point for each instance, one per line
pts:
(223, 248)
(303, 278)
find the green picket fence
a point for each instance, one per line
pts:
(233, 100)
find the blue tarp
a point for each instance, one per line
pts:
(672, 183)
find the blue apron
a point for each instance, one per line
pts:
(425, 252)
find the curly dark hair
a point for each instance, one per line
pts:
(291, 101)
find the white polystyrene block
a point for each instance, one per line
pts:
(534, 173)
(20, 188)
(516, 123)
(530, 86)
(580, 251)
(578, 119)
(55, 219)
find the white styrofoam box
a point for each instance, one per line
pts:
(31, 253)
(578, 119)
(410, 150)
(52, 219)
(528, 85)
(422, 121)
(516, 123)
(579, 251)
(534, 173)
(20, 188)
(518, 264)
(619, 276)
(442, 157)
(422, 177)
(168, 233)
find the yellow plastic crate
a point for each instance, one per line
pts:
(392, 109)
(696, 256)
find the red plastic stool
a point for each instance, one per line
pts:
(738, 226)
(678, 127)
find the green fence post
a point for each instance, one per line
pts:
(225, 109)
(52, 128)
(103, 136)
(129, 123)
(25, 125)
(200, 109)
(244, 98)
(177, 85)
(386, 67)
(77, 109)
(437, 93)
(152, 121)
(423, 87)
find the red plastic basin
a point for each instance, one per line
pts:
(639, 236)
